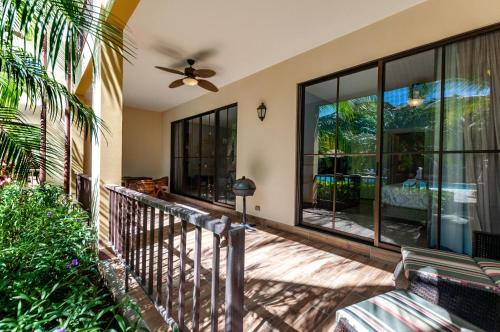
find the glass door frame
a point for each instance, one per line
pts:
(380, 63)
(216, 113)
(300, 144)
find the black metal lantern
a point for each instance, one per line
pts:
(261, 111)
(244, 187)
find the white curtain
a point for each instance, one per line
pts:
(472, 128)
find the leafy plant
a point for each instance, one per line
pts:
(36, 38)
(48, 266)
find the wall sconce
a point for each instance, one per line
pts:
(261, 111)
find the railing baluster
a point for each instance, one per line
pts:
(111, 212)
(182, 275)
(196, 282)
(159, 270)
(127, 241)
(144, 242)
(235, 279)
(123, 218)
(170, 268)
(132, 248)
(137, 218)
(151, 250)
(119, 238)
(214, 295)
(117, 220)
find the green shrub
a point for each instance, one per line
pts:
(48, 266)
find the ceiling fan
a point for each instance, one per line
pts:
(191, 77)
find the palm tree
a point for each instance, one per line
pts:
(52, 30)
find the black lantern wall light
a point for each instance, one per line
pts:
(261, 111)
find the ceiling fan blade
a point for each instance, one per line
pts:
(205, 73)
(176, 83)
(207, 85)
(173, 71)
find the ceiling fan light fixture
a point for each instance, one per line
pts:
(190, 81)
(415, 99)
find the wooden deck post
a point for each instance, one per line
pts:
(235, 276)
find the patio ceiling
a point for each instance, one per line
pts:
(236, 38)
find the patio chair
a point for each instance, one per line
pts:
(146, 187)
(161, 185)
(468, 287)
(401, 311)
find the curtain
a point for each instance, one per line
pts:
(472, 137)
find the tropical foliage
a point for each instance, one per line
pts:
(48, 266)
(38, 37)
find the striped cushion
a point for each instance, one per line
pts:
(491, 267)
(401, 311)
(446, 265)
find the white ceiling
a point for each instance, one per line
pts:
(236, 38)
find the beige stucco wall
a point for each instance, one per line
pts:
(267, 150)
(142, 143)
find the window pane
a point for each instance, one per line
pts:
(317, 190)
(204, 148)
(191, 183)
(208, 135)
(354, 195)
(226, 155)
(409, 199)
(412, 95)
(470, 198)
(472, 93)
(178, 175)
(320, 118)
(194, 137)
(357, 112)
(207, 178)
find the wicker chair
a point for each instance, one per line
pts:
(479, 306)
(161, 185)
(146, 187)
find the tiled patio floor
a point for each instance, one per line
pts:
(291, 283)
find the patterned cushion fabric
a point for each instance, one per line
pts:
(446, 265)
(401, 311)
(491, 267)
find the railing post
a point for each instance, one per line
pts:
(235, 279)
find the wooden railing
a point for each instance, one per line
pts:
(136, 232)
(84, 191)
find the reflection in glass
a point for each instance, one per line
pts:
(411, 118)
(338, 189)
(409, 199)
(358, 112)
(411, 103)
(320, 126)
(354, 195)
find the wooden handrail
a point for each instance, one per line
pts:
(132, 225)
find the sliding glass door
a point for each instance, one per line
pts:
(406, 151)
(204, 156)
(340, 121)
(410, 150)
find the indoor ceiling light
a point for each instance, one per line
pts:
(190, 81)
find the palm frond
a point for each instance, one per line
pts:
(60, 23)
(20, 146)
(31, 79)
